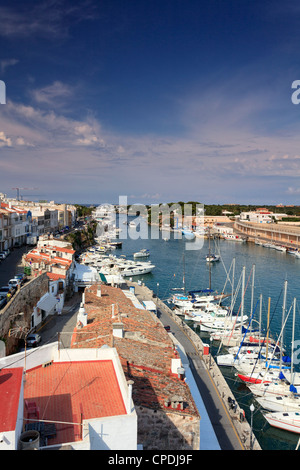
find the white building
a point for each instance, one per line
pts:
(81, 394)
(260, 216)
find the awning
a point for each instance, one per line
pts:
(47, 303)
(149, 305)
(85, 273)
(103, 278)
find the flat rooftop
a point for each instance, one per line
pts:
(68, 392)
(10, 387)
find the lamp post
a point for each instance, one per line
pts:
(252, 408)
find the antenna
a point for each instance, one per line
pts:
(24, 189)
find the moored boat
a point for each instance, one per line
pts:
(289, 421)
(144, 253)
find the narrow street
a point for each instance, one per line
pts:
(60, 327)
(12, 264)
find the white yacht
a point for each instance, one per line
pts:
(287, 420)
(144, 253)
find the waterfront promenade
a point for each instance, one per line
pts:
(232, 431)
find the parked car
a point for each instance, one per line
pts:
(14, 283)
(3, 301)
(21, 277)
(33, 340)
(7, 252)
(2, 255)
(7, 290)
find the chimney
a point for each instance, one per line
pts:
(99, 291)
(129, 399)
(82, 316)
(181, 373)
(176, 402)
(175, 364)
(118, 330)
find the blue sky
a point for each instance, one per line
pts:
(159, 101)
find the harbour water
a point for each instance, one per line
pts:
(272, 268)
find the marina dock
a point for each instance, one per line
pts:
(227, 418)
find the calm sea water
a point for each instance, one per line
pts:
(272, 268)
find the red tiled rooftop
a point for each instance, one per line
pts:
(36, 256)
(55, 277)
(66, 391)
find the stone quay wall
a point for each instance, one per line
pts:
(281, 234)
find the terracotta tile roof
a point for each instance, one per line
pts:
(55, 277)
(59, 248)
(146, 350)
(12, 208)
(64, 392)
(36, 256)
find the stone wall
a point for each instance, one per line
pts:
(23, 301)
(160, 430)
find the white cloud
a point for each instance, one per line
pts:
(4, 141)
(21, 141)
(292, 190)
(48, 18)
(54, 94)
(5, 63)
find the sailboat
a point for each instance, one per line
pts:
(211, 257)
(270, 372)
(287, 420)
(280, 403)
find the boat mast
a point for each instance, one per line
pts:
(282, 320)
(268, 326)
(232, 291)
(259, 330)
(252, 291)
(243, 292)
(209, 263)
(293, 340)
(183, 279)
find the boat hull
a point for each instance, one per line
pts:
(287, 421)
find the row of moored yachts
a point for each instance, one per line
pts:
(113, 267)
(274, 246)
(260, 362)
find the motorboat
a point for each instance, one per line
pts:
(225, 324)
(144, 253)
(234, 237)
(188, 234)
(280, 248)
(137, 270)
(212, 258)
